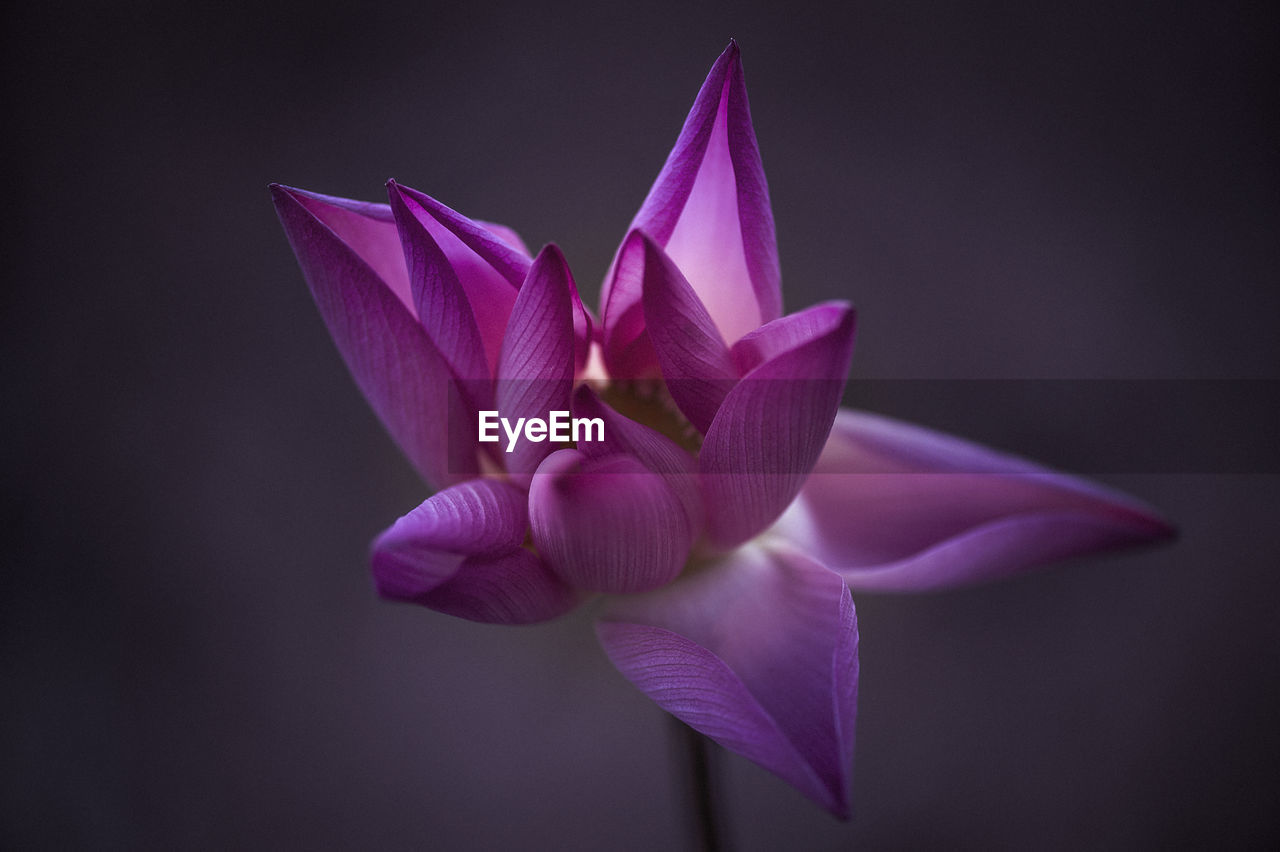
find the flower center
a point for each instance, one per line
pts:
(647, 401)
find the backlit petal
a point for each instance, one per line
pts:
(770, 430)
(896, 507)
(695, 362)
(709, 207)
(759, 652)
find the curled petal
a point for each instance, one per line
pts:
(695, 362)
(453, 249)
(461, 553)
(758, 652)
(535, 370)
(709, 207)
(896, 507)
(770, 430)
(391, 358)
(655, 451)
(607, 524)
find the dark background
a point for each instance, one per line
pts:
(192, 652)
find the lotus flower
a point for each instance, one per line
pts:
(730, 505)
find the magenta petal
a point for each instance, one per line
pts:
(896, 507)
(507, 235)
(785, 333)
(608, 524)
(583, 333)
(770, 431)
(369, 230)
(535, 370)
(391, 358)
(488, 270)
(583, 322)
(695, 362)
(658, 453)
(442, 304)
(460, 553)
(709, 207)
(759, 652)
(628, 352)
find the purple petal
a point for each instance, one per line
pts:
(695, 362)
(488, 269)
(582, 319)
(507, 235)
(443, 307)
(709, 207)
(658, 453)
(369, 230)
(896, 507)
(759, 652)
(608, 524)
(628, 352)
(786, 333)
(460, 553)
(393, 362)
(770, 431)
(535, 370)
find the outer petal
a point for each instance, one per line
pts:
(609, 524)
(487, 268)
(695, 362)
(368, 229)
(460, 553)
(896, 507)
(758, 652)
(395, 365)
(535, 370)
(475, 250)
(770, 430)
(709, 207)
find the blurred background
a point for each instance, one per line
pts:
(192, 654)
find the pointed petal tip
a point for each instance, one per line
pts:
(899, 508)
(281, 193)
(759, 653)
(396, 196)
(637, 238)
(553, 252)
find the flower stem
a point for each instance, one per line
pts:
(698, 772)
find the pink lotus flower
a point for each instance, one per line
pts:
(729, 506)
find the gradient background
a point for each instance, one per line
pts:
(192, 652)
